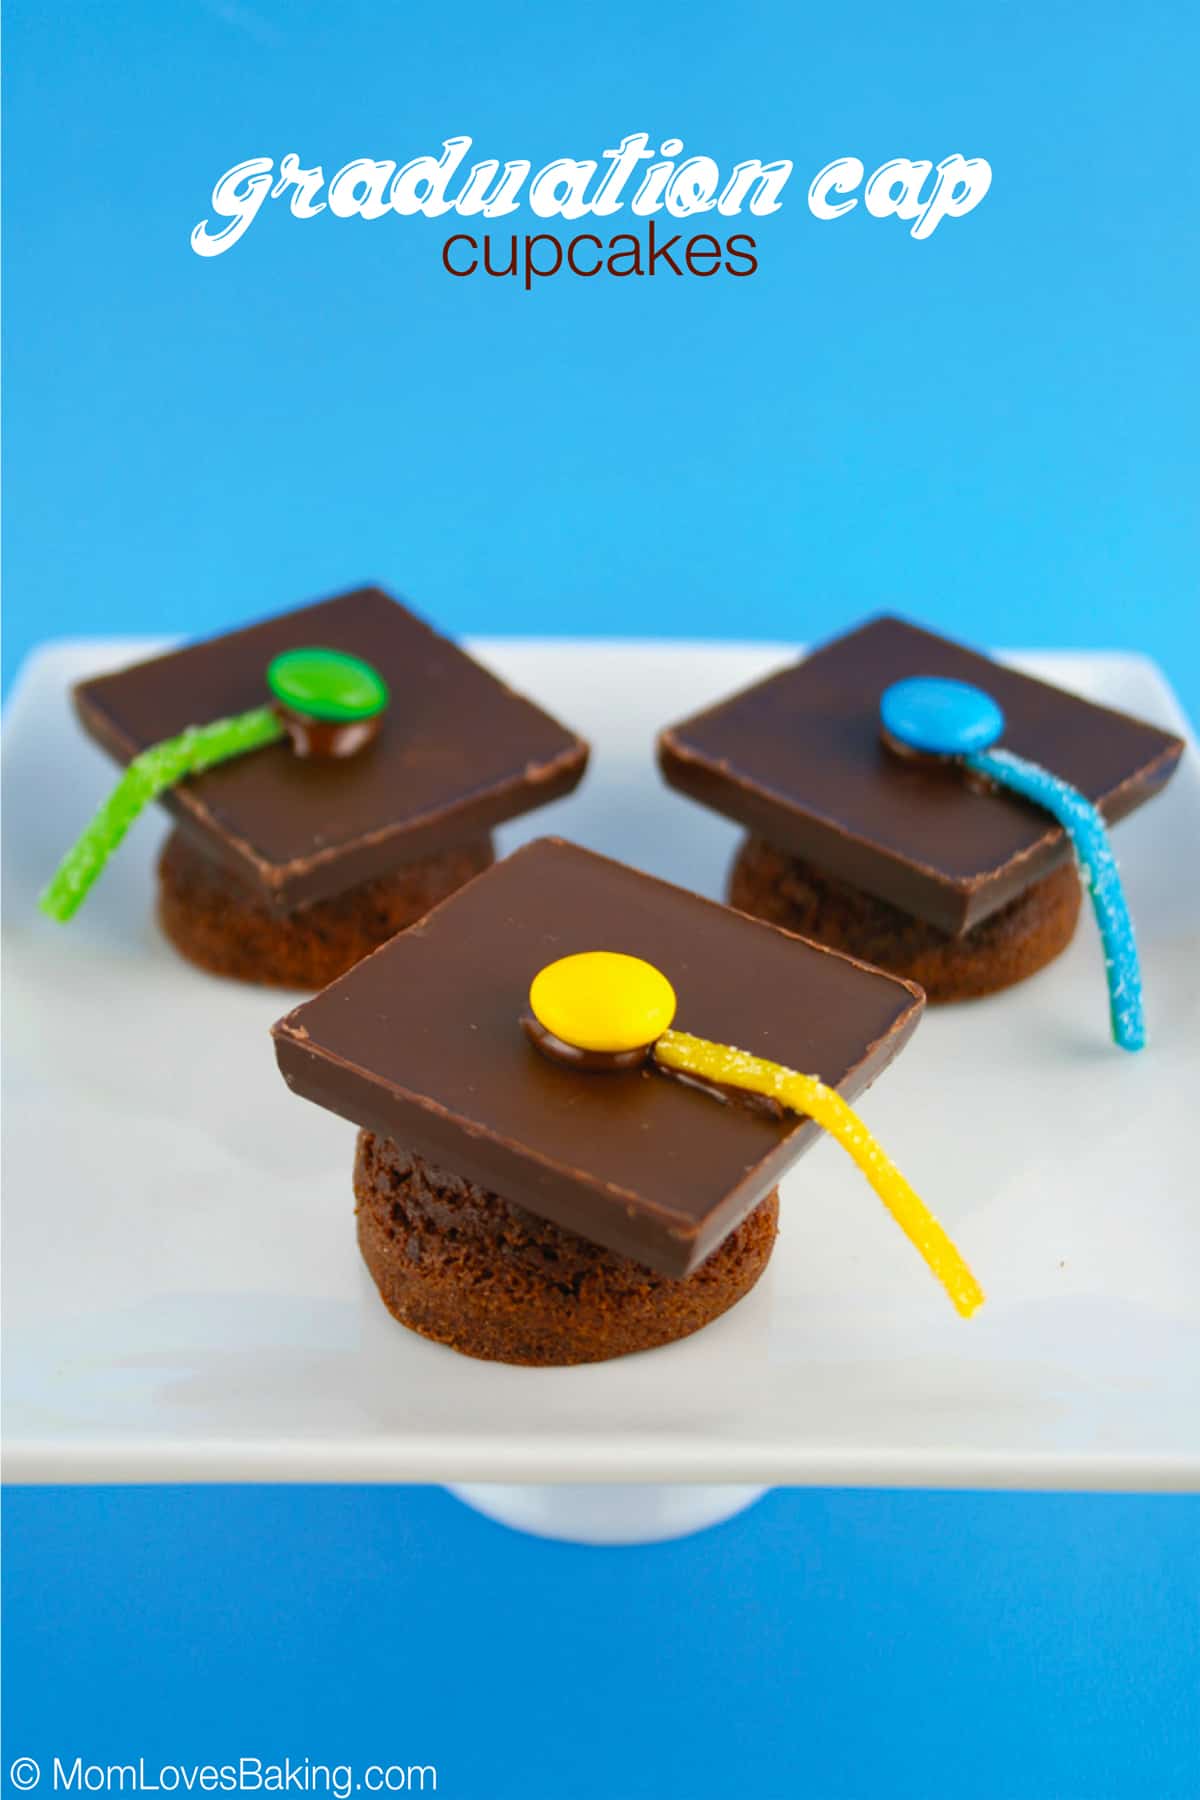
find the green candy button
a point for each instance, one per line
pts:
(327, 684)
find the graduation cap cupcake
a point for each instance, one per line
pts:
(927, 809)
(576, 1090)
(331, 773)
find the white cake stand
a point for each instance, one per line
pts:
(185, 1302)
(607, 1513)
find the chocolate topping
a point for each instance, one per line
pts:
(328, 737)
(593, 1062)
(910, 754)
(420, 1042)
(457, 751)
(799, 759)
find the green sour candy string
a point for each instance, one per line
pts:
(198, 748)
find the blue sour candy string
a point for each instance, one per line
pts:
(1089, 840)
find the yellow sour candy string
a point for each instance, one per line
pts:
(806, 1094)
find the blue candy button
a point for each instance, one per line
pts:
(942, 718)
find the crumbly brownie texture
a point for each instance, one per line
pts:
(1014, 942)
(217, 921)
(462, 1266)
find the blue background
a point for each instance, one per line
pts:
(993, 431)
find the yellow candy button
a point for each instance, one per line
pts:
(601, 1000)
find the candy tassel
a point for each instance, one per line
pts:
(1089, 839)
(198, 748)
(806, 1094)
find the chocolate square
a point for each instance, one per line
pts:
(798, 759)
(422, 1042)
(458, 751)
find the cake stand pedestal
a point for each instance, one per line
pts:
(607, 1513)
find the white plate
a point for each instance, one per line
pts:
(185, 1300)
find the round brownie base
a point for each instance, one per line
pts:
(217, 921)
(468, 1269)
(1013, 943)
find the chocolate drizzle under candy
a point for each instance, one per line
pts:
(327, 739)
(595, 1062)
(952, 721)
(616, 1062)
(328, 705)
